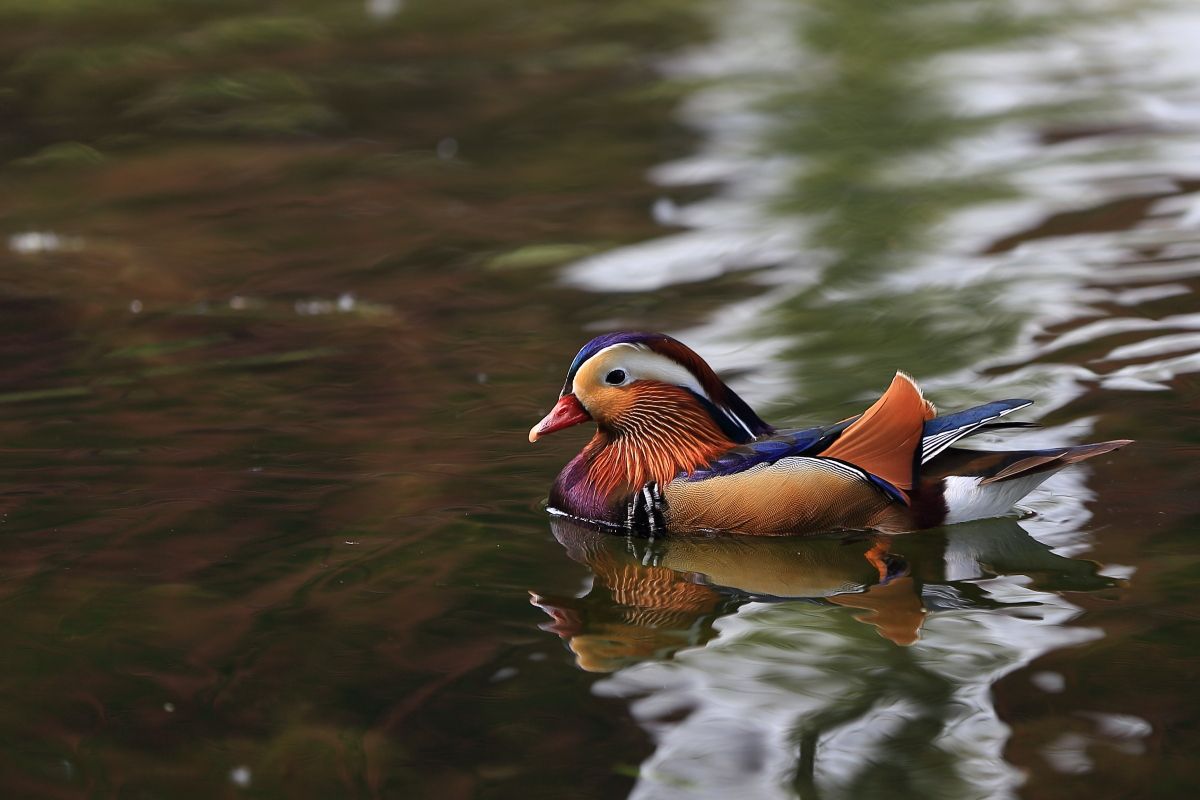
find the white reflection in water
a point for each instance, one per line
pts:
(1074, 752)
(1049, 681)
(1140, 67)
(33, 242)
(383, 9)
(792, 694)
(1068, 754)
(240, 776)
(733, 228)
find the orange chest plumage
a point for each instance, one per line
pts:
(663, 435)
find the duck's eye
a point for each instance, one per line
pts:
(616, 377)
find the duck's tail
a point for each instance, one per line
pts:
(970, 484)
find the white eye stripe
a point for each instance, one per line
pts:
(641, 363)
(738, 421)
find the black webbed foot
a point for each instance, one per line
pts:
(646, 513)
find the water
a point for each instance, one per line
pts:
(283, 290)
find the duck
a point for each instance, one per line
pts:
(677, 451)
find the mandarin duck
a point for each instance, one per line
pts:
(676, 451)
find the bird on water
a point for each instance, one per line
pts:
(676, 451)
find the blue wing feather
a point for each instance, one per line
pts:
(971, 416)
(939, 433)
(767, 451)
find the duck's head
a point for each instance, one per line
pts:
(648, 385)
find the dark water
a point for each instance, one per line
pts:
(283, 286)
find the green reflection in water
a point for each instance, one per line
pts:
(873, 101)
(870, 101)
(868, 119)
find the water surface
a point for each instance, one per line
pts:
(283, 289)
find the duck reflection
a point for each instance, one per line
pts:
(650, 598)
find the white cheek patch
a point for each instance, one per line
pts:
(642, 363)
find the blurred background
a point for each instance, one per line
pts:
(284, 285)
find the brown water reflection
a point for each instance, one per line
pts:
(262, 524)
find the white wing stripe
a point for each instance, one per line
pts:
(933, 445)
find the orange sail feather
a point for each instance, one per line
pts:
(885, 438)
